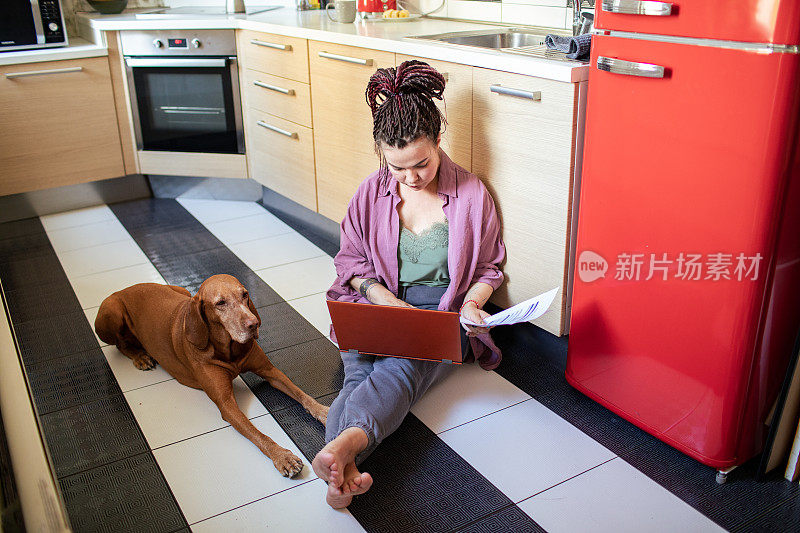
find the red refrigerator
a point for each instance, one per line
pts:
(686, 295)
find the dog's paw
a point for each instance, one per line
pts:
(287, 463)
(320, 412)
(144, 362)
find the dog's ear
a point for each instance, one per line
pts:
(253, 309)
(195, 326)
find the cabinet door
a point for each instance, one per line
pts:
(522, 149)
(59, 125)
(345, 153)
(281, 157)
(457, 108)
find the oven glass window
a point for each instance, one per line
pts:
(186, 109)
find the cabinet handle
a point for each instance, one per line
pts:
(629, 68)
(12, 75)
(275, 88)
(276, 46)
(519, 93)
(347, 59)
(636, 7)
(276, 129)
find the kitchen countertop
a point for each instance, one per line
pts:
(315, 25)
(78, 48)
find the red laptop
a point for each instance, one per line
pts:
(424, 334)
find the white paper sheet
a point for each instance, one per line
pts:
(522, 312)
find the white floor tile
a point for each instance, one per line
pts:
(210, 211)
(101, 258)
(301, 278)
(74, 238)
(300, 509)
(249, 228)
(217, 471)
(467, 393)
(78, 217)
(614, 497)
(168, 411)
(91, 290)
(128, 376)
(315, 310)
(91, 314)
(274, 251)
(525, 449)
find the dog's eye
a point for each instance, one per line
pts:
(220, 303)
(245, 295)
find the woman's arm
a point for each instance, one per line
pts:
(476, 297)
(375, 292)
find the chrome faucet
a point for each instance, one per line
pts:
(580, 24)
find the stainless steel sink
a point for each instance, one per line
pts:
(495, 40)
(510, 40)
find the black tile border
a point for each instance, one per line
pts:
(49, 342)
(425, 514)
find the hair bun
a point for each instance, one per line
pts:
(418, 77)
(410, 77)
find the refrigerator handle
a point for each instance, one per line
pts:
(629, 68)
(637, 7)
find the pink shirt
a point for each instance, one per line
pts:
(370, 233)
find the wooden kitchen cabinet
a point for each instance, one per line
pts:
(524, 151)
(276, 101)
(345, 153)
(457, 108)
(59, 125)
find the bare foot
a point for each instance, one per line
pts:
(330, 462)
(355, 482)
(336, 498)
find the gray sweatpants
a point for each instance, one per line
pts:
(378, 392)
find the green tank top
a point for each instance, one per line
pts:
(422, 259)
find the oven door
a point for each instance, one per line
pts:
(186, 104)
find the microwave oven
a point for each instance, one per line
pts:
(27, 24)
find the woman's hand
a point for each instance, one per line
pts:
(471, 312)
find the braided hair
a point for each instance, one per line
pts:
(401, 101)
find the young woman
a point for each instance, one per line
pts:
(419, 232)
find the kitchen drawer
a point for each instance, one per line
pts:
(59, 125)
(287, 99)
(282, 160)
(282, 56)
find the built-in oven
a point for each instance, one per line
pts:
(184, 90)
(28, 24)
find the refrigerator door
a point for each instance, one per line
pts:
(693, 163)
(757, 21)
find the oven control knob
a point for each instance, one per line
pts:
(53, 26)
(196, 43)
(158, 44)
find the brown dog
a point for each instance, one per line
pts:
(204, 342)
